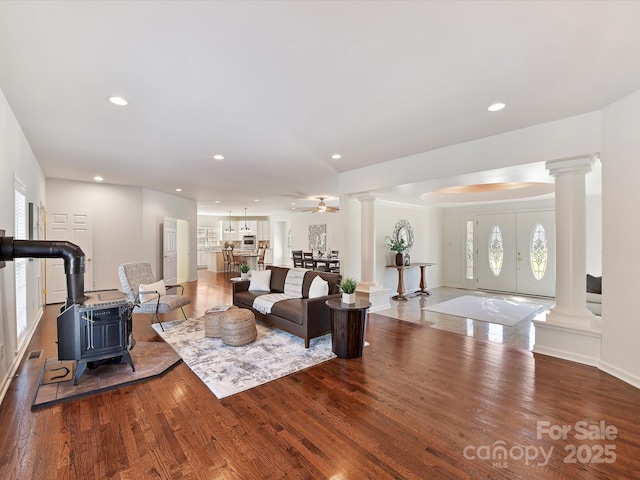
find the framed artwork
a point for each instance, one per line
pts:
(317, 237)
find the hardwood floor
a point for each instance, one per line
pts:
(421, 403)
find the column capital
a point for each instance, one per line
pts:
(571, 165)
(367, 197)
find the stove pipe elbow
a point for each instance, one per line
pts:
(72, 255)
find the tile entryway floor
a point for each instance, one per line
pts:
(521, 335)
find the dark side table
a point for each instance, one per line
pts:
(348, 323)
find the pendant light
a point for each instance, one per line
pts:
(245, 229)
(230, 229)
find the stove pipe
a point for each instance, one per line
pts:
(72, 254)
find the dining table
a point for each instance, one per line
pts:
(328, 262)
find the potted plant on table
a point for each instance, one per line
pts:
(348, 287)
(244, 271)
(398, 246)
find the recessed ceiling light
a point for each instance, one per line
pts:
(496, 106)
(178, 189)
(293, 203)
(98, 179)
(217, 201)
(256, 200)
(336, 156)
(118, 101)
(218, 157)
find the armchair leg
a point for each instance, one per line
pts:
(184, 314)
(156, 315)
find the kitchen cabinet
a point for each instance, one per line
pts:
(262, 230)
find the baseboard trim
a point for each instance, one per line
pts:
(13, 368)
(619, 374)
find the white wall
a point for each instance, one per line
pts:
(115, 213)
(126, 224)
(157, 205)
(426, 223)
(621, 230)
(16, 160)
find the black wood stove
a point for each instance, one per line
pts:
(93, 327)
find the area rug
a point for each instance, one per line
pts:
(493, 310)
(229, 370)
(151, 359)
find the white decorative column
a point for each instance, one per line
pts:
(368, 289)
(570, 331)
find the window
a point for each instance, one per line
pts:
(20, 263)
(496, 250)
(469, 250)
(538, 251)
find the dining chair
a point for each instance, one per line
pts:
(298, 261)
(308, 260)
(334, 267)
(149, 299)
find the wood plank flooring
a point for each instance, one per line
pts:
(421, 403)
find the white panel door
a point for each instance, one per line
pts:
(74, 228)
(496, 252)
(536, 255)
(170, 251)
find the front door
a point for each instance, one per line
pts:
(516, 253)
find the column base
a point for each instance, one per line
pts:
(374, 293)
(563, 337)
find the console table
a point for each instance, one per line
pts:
(423, 282)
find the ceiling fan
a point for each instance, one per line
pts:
(322, 207)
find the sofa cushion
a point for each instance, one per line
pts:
(594, 284)
(246, 298)
(333, 279)
(260, 280)
(319, 287)
(278, 276)
(290, 309)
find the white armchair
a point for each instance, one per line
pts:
(132, 275)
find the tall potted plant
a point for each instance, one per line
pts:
(399, 247)
(348, 287)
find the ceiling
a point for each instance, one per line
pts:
(279, 87)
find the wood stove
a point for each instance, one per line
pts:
(93, 327)
(100, 328)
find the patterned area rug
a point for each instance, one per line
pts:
(229, 370)
(492, 310)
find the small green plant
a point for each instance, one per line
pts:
(244, 267)
(348, 285)
(396, 245)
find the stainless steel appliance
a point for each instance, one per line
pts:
(248, 242)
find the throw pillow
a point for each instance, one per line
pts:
(318, 288)
(151, 287)
(260, 281)
(594, 284)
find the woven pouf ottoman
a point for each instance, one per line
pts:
(238, 327)
(212, 320)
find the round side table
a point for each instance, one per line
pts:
(348, 323)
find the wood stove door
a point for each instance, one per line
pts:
(102, 336)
